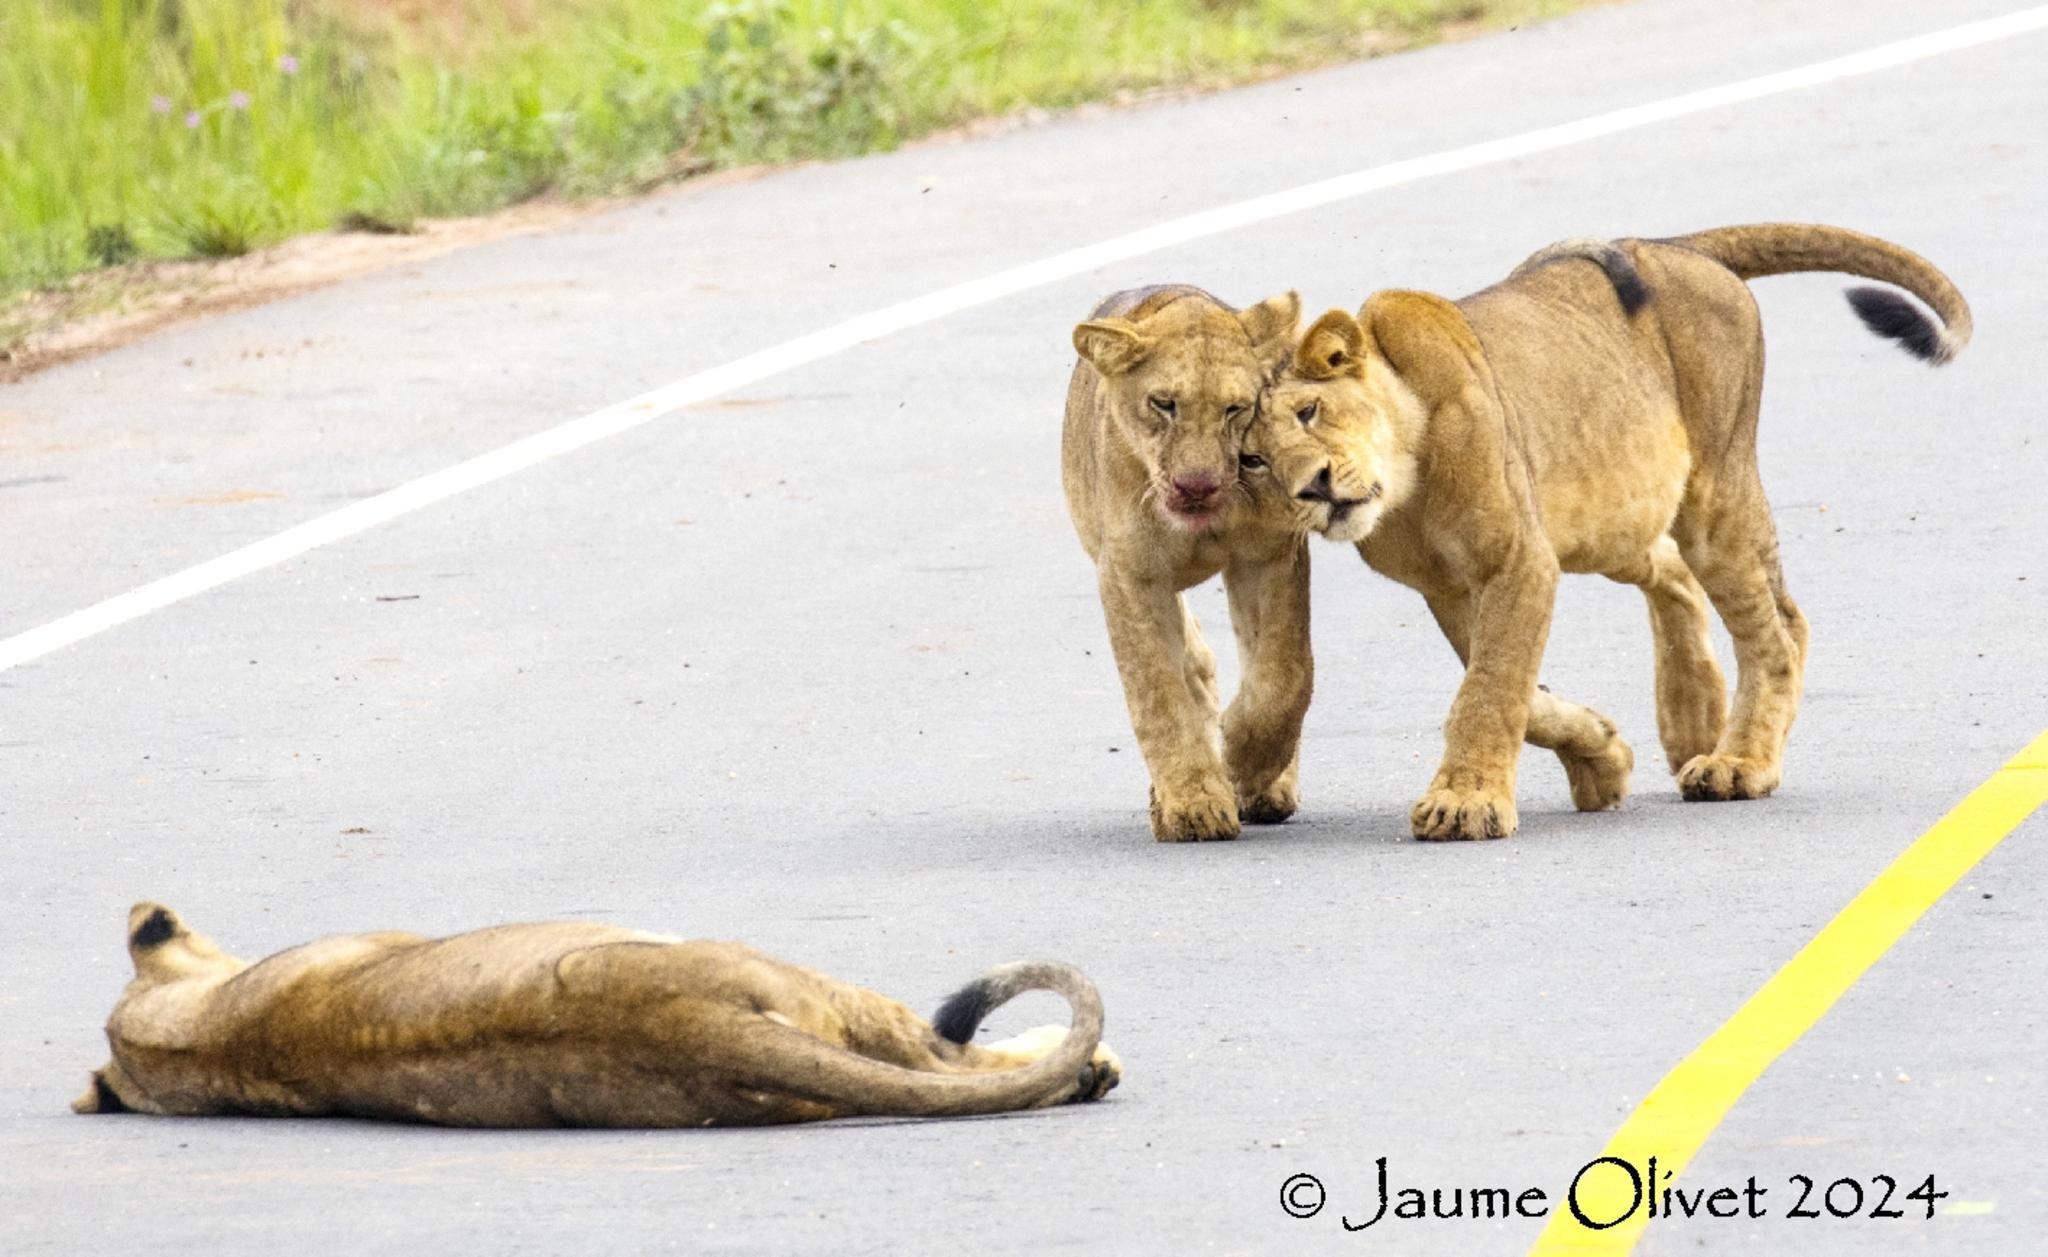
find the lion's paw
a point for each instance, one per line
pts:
(1208, 814)
(1097, 1078)
(1716, 778)
(1033, 1044)
(1270, 806)
(1100, 1076)
(1599, 781)
(1446, 814)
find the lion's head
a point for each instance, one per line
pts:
(165, 952)
(1183, 382)
(165, 949)
(1337, 431)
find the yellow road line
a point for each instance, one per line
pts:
(1690, 1102)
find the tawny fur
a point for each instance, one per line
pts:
(1168, 381)
(559, 1025)
(1580, 418)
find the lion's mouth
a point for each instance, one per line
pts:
(1336, 516)
(1351, 519)
(1191, 511)
(1341, 509)
(1195, 516)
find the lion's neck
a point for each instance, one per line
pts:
(1400, 440)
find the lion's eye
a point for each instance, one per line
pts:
(1164, 405)
(1236, 412)
(1250, 462)
(1307, 414)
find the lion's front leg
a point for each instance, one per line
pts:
(1262, 728)
(1596, 761)
(1192, 798)
(1728, 540)
(1473, 794)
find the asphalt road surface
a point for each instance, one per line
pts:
(819, 665)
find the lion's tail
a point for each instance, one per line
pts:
(859, 1084)
(1761, 249)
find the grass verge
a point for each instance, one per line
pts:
(133, 130)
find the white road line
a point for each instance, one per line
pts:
(612, 420)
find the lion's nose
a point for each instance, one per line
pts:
(1196, 486)
(1318, 489)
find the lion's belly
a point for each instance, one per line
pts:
(476, 1030)
(563, 1082)
(1593, 405)
(1607, 497)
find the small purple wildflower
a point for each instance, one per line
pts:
(192, 120)
(160, 105)
(239, 100)
(288, 64)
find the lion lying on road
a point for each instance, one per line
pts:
(1167, 383)
(1580, 418)
(564, 1025)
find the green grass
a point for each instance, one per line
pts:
(182, 128)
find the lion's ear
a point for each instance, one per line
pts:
(100, 1096)
(1271, 324)
(1111, 346)
(150, 926)
(1334, 346)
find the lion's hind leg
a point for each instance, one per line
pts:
(1739, 570)
(1692, 696)
(1105, 1068)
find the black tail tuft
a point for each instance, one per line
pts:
(1893, 317)
(1628, 284)
(1620, 269)
(964, 1010)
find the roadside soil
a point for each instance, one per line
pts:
(106, 309)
